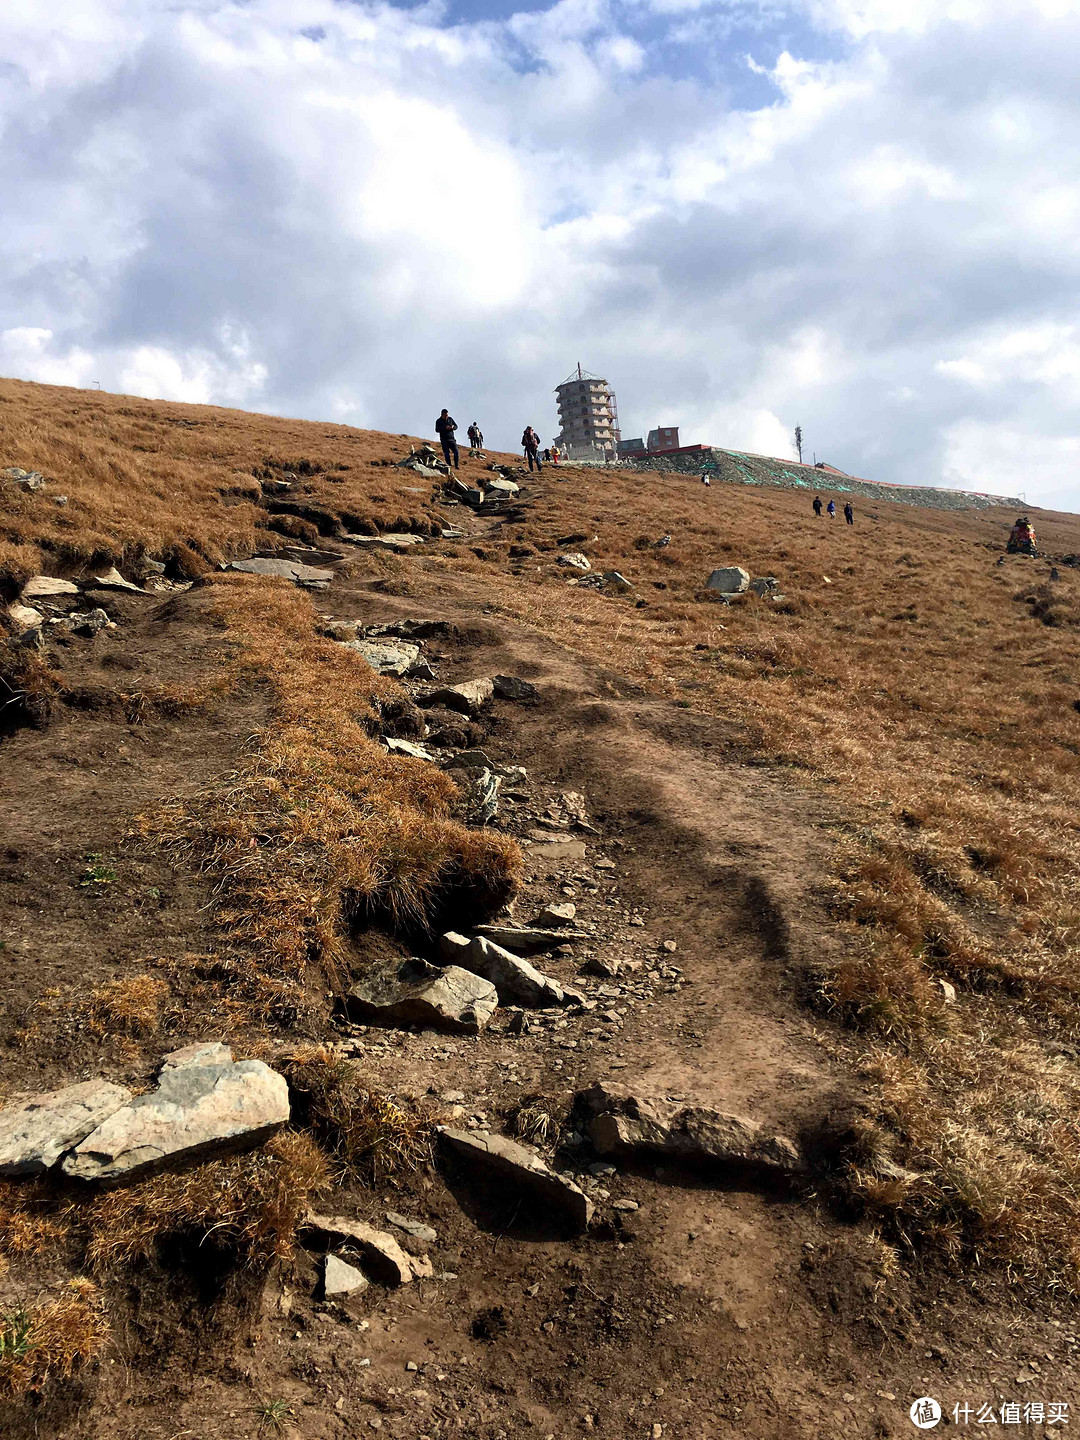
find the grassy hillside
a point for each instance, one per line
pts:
(910, 686)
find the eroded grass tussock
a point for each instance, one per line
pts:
(321, 827)
(50, 1338)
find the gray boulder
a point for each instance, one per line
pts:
(306, 575)
(204, 1104)
(27, 479)
(512, 687)
(731, 580)
(619, 1122)
(574, 560)
(37, 1131)
(502, 486)
(380, 1253)
(517, 982)
(385, 659)
(407, 747)
(399, 544)
(521, 1167)
(414, 992)
(89, 622)
(469, 697)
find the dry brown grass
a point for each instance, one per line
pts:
(133, 1005)
(180, 483)
(321, 828)
(50, 1338)
(369, 1137)
(250, 1203)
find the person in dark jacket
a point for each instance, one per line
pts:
(849, 513)
(530, 443)
(445, 426)
(817, 505)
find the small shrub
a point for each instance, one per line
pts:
(130, 1006)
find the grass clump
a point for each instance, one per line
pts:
(250, 1204)
(133, 1005)
(321, 829)
(51, 1338)
(369, 1137)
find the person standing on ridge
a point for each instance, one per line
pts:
(817, 506)
(530, 443)
(831, 508)
(705, 479)
(445, 426)
(849, 513)
(476, 437)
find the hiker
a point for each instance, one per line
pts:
(1022, 538)
(849, 513)
(831, 508)
(530, 443)
(555, 454)
(705, 480)
(476, 437)
(445, 426)
(547, 453)
(817, 506)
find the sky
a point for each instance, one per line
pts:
(857, 216)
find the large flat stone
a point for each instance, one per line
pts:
(43, 587)
(203, 1105)
(528, 940)
(521, 1167)
(619, 1122)
(35, 1132)
(414, 992)
(111, 580)
(285, 569)
(517, 981)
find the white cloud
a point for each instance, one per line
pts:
(367, 212)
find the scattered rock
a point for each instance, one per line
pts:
(523, 1167)
(341, 1279)
(111, 580)
(30, 480)
(380, 1253)
(561, 914)
(730, 580)
(204, 1104)
(415, 1228)
(764, 585)
(37, 1131)
(620, 1122)
(89, 622)
(25, 618)
(43, 587)
(399, 544)
(414, 992)
(407, 747)
(469, 697)
(483, 796)
(305, 575)
(949, 991)
(502, 486)
(385, 659)
(526, 940)
(574, 560)
(511, 687)
(517, 982)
